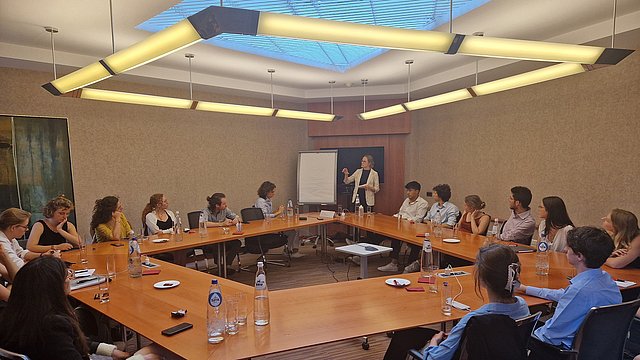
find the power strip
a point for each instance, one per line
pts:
(460, 306)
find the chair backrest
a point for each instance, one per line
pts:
(8, 355)
(194, 218)
(252, 213)
(495, 336)
(604, 330)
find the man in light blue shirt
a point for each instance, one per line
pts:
(587, 250)
(442, 208)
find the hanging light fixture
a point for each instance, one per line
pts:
(215, 20)
(297, 114)
(390, 110)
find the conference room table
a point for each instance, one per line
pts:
(217, 236)
(300, 317)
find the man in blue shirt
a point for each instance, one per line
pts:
(587, 250)
(442, 208)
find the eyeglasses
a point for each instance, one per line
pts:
(25, 227)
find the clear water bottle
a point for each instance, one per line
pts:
(215, 314)
(357, 205)
(426, 261)
(492, 234)
(261, 302)
(446, 299)
(135, 261)
(290, 209)
(542, 257)
(202, 225)
(177, 231)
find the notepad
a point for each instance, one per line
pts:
(624, 284)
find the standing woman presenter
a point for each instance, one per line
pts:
(366, 181)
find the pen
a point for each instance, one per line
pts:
(86, 280)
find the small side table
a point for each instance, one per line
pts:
(360, 250)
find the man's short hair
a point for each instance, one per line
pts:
(413, 185)
(444, 191)
(593, 243)
(522, 194)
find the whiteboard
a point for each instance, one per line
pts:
(317, 171)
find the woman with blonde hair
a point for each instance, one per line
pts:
(54, 232)
(367, 182)
(156, 216)
(14, 223)
(623, 226)
(473, 219)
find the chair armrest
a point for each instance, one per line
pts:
(415, 354)
(537, 345)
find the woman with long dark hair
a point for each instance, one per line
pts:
(497, 270)
(39, 321)
(108, 222)
(555, 223)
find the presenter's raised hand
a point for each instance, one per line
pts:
(345, 171)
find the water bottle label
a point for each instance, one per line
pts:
(215, 299)
(261, 282)
(543, 246)
(426, 246)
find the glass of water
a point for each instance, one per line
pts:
(231, 319)
(111, 266)
(242, 308)
(82, 244)
(103, 289)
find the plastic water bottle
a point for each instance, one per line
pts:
(290, 209)
(178, 228)
(135, 262)
(446, 299)
(261, 302)
(493, 233)
(358, 206)
(426, 261)
(437, 227)
(542, 257)
(215, 314)
(239, 226)
(202, 225)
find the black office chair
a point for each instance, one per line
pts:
(196, 254)
(600, 337)
(261, 245)
(492, 336)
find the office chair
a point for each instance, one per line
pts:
(492, 336)
(601, 336)
(196, 254)
(260, 245)
(9, 355)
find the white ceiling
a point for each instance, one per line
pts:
(85, 37)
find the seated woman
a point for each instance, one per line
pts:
(555, 223)
(156, 216)
(8, 270)
(218, 214)
(108, 222)
(54, 232)
(497, 269)
(39, 321)
(623, 226)
(14, 223)
(473, 219)
(266, 192)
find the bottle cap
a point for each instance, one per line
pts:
(445, 284)
(260, 264)
(214, 282)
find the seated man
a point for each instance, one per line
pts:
(442, 210)
(587, 250)
(521, 225)
(219, 215)
(413, 209)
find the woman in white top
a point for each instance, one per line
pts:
(156, 216)
(555, 223)
(366, 181)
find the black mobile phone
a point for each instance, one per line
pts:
(117, 244)
(176, 329)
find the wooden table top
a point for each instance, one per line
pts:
(300, 317)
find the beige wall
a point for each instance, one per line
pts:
(576, 137)
(134, 151)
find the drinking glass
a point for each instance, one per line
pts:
(455, 231)
(339, 210)
(369, 211)
(103, 289)
(82, 244)
(111, 266)
(231, 318)
(242, 308)
(432, 278)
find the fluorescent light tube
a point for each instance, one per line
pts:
(445, 98)
(387, 111)
(234, 109)
(131, 98)
(528, 78)
(304, 115)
